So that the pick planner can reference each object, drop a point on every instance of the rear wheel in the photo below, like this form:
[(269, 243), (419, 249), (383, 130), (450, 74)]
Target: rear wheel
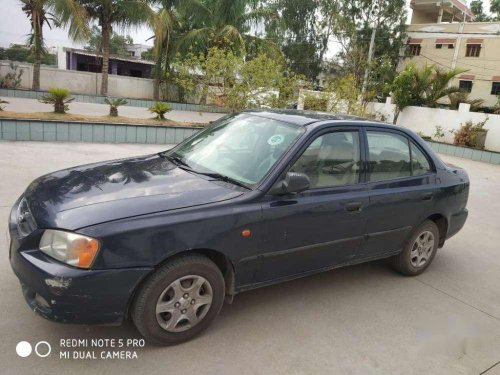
[(179, 300), (419, 251)]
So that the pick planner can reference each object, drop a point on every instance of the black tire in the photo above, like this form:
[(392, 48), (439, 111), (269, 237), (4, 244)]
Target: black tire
[(403, 261), (144, 307)]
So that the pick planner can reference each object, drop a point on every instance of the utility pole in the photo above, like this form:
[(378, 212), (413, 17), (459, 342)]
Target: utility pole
[(369, 60)]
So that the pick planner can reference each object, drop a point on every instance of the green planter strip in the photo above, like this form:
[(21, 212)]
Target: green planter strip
[(27, 94), (56, 131), (466, 152)]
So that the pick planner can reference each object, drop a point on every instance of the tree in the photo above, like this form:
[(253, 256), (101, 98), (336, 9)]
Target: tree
[(223, 24), (163, 23), (51, 12), (117, 43), (354, 29), (495, 9), (21, 53), (229, 80), (477, 8), (110, 13), (422, 87), (302, 29), (207, 75)]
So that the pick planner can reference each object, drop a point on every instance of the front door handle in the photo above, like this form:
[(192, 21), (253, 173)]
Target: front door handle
[(353, 207), (427, 196)]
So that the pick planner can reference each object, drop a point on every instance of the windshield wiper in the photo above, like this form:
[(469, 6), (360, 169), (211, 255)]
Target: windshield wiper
[(176, 159), (182, 164), (221, 177)]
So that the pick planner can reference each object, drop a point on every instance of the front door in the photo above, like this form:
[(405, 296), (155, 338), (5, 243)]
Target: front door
[(323, 226)]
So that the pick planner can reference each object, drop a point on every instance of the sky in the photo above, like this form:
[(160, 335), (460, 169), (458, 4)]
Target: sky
[(14, 27)]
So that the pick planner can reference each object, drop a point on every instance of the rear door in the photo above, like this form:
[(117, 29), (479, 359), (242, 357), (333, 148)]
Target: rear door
[(401, 184)]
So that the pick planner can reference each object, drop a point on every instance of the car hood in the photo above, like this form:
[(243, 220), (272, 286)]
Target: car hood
[(90, 194)]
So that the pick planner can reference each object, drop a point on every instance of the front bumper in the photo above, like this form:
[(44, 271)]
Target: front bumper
[(66, 294)]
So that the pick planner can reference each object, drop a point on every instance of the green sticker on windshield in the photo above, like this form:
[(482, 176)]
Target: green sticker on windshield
[(275, 140)]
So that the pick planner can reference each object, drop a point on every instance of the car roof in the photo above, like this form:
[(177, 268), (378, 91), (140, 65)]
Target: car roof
[(302, 118)]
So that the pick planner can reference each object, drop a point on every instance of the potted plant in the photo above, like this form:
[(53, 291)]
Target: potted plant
[(471, 135)]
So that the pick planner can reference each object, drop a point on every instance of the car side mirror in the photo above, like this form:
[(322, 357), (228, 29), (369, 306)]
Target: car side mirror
[(293, 183)]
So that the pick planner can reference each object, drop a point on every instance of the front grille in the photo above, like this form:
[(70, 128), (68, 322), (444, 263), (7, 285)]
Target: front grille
[(25, 221)]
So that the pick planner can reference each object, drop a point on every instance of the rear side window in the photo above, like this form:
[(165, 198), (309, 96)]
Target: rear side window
[(389, 156), (394, 156), (420, 163)]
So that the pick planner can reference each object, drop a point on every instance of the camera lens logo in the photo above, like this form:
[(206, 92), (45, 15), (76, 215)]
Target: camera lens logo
[(42, 349), (23, 349)]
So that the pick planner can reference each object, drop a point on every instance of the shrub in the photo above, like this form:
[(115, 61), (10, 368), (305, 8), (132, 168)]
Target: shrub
[(3, 102), (438, 132), (159, 109), (11, 80), (468, 133), (114, 104), (313, 103), (59, 98)]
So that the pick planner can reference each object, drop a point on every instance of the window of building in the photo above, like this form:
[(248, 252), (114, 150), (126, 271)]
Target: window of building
[(473, 50), (333, 159), (451, 46), (439, 46), (465, 85), (389, 156), (414, 49), (495, 88)]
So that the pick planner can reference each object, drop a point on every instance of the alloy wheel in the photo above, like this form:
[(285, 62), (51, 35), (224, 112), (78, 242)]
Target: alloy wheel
[(422, 249)]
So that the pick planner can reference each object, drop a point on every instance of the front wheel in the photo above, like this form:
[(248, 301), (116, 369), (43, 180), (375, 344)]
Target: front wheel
[(179, 300), (419, 251)]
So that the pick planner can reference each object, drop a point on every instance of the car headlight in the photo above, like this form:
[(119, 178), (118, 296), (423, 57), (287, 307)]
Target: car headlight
[(71, 248)]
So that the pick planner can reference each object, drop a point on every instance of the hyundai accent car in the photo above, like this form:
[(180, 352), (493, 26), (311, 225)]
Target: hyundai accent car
[(254, 199)]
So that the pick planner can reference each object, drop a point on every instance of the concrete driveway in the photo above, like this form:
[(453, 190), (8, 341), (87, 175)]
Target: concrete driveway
[(364, 319)]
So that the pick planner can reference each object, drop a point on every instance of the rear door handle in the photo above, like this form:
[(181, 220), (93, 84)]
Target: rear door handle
[(427, 196), (354, 207)]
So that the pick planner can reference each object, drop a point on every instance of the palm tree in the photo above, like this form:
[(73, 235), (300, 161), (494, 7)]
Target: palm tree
[(440, 85), (51, 12), (163, 23), (222, 23), (110, 13), (422, 87)]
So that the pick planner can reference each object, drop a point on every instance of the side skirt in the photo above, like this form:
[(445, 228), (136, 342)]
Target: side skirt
[(246, 287)]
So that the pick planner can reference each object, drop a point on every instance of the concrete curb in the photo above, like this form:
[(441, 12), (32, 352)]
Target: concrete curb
[(53, 131)]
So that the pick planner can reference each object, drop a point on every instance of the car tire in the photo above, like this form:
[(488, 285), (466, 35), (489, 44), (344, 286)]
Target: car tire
[(419, 251), (179, 300)]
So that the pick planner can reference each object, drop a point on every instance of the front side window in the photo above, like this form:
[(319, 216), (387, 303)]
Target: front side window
[(332, 159), (242, 147), (389, 156)]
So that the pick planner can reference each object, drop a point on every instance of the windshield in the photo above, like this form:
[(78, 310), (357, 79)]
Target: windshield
[(241, 147)]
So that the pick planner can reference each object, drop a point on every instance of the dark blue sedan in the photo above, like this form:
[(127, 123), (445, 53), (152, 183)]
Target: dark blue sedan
[(256, 198)]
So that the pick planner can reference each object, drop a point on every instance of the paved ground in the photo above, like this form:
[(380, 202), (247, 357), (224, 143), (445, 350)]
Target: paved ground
[(33, 105), (364, 319)]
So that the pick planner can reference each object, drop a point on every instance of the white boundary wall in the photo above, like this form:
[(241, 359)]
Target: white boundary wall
[(425, 120), (85, 83)]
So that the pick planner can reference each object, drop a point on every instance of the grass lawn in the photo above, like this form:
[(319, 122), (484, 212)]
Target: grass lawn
[(84, 118)]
